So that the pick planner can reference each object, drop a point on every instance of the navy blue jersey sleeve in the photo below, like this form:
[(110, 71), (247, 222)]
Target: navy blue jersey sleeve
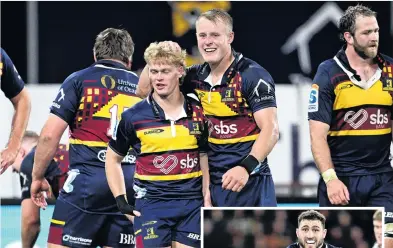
[(11, 82), (187, 85), (26, 170), (67, 100), (124, 135), (321, 99), (258, 88)]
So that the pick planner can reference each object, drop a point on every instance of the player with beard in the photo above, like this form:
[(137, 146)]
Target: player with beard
[(311, 231), (350, 112)]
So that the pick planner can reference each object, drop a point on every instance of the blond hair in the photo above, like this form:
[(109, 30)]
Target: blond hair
[(161, 52), (215, 15)]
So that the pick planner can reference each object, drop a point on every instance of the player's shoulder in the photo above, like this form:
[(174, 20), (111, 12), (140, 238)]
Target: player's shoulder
[(142, 106), (252, 70), (328, 71), (388, 59), (5, 58), (331, 246), (195, 68), (294, 245), (196, 71), (77, 75), (328, 66), (3, 53)]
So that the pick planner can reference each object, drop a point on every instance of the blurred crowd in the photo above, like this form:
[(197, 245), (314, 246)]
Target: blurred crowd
[(277, 228)]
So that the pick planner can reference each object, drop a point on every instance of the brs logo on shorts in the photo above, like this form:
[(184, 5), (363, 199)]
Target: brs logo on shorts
[(313, 100)]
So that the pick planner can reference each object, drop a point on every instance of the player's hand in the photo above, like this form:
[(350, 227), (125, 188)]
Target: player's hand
[(39, 191), (7, 158), (130, 218), (235, 179), (207, 201), (337, 192), (126, 208)]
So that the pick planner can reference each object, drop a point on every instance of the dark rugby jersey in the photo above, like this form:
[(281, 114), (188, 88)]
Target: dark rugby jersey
[(245, 88), (167, 165), (56, 174), (91, 101), (325, 245), (360, 119), (11, 83)]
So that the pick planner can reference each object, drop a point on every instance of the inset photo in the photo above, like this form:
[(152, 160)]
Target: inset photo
[(292, 228)]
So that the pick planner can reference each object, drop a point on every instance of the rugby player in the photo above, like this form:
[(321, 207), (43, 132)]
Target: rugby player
[(350, 111), (169, 133), (90, 102)]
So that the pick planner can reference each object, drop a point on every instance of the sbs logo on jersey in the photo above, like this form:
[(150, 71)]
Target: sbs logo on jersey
[(188, 163), (357, 119), (313, 99), (379, 118), (166, 165), (225, 129)]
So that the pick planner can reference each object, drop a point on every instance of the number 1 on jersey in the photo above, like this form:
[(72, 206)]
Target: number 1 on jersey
[(115, 118)]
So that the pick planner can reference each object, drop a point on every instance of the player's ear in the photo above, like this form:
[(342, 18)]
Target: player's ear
[(297, 232), (324, 233), (348, 38), (231, 37), (22, 152), (180, 71)]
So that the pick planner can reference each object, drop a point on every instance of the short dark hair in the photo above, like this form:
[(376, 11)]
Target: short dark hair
[(348, 20), (114, 43), (214, 15), (311, 215)]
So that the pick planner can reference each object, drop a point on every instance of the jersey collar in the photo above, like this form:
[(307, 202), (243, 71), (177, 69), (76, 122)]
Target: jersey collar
[(111, 63), (159, 112), (229, 73), (343, 60)]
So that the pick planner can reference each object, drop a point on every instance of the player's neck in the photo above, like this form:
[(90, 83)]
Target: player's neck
[(217, 70), (171, 104), (355, 60), (121, 62)]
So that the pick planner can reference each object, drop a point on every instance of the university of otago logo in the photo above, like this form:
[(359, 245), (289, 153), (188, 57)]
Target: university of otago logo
[(108, 82)]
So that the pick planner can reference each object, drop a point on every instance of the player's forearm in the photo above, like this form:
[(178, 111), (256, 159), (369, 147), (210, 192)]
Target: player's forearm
[(321, 153), (46, 149), (265, 142), (144, 87), (22, 106), (114, 173), (205, 172)]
